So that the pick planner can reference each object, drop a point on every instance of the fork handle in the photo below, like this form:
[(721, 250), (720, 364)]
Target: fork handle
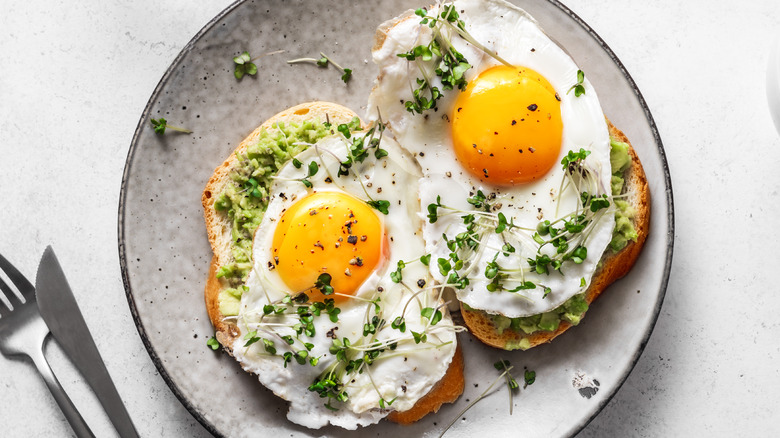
[(71, 413)]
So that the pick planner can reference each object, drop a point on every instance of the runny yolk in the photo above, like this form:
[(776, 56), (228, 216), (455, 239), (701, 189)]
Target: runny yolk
[(507, 126), (327, 232)]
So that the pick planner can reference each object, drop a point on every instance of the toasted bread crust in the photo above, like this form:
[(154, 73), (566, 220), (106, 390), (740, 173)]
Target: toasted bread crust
[(613, 265), (226, 331), (447, 390)]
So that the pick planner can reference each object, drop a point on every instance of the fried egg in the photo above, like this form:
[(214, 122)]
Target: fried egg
[(492, 152), (321, 312)]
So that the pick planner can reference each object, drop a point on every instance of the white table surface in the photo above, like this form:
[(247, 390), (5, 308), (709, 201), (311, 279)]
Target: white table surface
[(75, 77)]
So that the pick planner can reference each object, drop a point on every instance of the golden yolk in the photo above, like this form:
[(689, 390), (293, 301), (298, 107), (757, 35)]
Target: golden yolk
[(507, 126), (327, 232)]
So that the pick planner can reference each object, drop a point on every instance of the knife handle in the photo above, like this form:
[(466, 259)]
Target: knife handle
[(71, 413)]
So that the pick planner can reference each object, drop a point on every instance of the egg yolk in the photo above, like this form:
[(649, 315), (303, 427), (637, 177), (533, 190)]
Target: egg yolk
[(327, 233), (507, 127)]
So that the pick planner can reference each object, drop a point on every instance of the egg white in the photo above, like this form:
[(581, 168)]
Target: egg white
[(517, 38), (405, 374)]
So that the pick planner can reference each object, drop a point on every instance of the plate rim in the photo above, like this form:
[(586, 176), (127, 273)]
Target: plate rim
[(121, 218), (156, 360), (669, 204)]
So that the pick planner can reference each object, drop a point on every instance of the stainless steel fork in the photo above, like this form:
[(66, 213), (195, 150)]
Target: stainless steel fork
[(23, 332)]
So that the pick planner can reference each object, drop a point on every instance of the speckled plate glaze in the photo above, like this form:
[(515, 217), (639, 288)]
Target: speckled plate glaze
[(165, 255)]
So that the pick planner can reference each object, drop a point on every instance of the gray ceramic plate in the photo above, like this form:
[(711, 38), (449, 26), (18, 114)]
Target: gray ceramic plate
[(165, 254)]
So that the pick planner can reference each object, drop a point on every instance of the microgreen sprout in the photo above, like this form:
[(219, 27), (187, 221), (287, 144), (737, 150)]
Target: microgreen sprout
[(507, 249), (579, 88), (373, 326), (433, 210), (269, 346), (511, 383), (505, 365), (344, 130), (323, 61), (419, 337), (397, 275), (380, 205), (478, 201), (160, 125), (572, 159), (399, 324), (312, 170), (530, 377), (502, 223), (380, 153), (213, 343), (382, 402), (251, 338), (245, 65), (323, 284), (433, 314), (346, 75), (251, 185)]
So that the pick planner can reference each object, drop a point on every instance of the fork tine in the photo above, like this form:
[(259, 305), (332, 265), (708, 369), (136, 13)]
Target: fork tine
[(16, 277), (4, 290), (10, 295)]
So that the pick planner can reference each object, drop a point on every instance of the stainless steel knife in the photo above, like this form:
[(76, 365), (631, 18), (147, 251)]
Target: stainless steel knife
[(61, 313)]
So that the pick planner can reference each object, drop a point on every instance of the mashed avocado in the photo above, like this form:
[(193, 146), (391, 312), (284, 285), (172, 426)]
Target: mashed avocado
[(624, 213), (574, 309), (570, 311), (229, 300), (245, 199)]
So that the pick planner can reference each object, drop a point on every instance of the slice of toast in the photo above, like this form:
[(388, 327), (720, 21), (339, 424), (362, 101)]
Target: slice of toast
[(219, 229), (614, 265)]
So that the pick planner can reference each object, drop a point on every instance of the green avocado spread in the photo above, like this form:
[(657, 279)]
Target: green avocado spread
[(245, 199), (574, 308), (624, 213)]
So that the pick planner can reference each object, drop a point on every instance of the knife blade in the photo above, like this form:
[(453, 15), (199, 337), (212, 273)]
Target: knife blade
[(61, 313)]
